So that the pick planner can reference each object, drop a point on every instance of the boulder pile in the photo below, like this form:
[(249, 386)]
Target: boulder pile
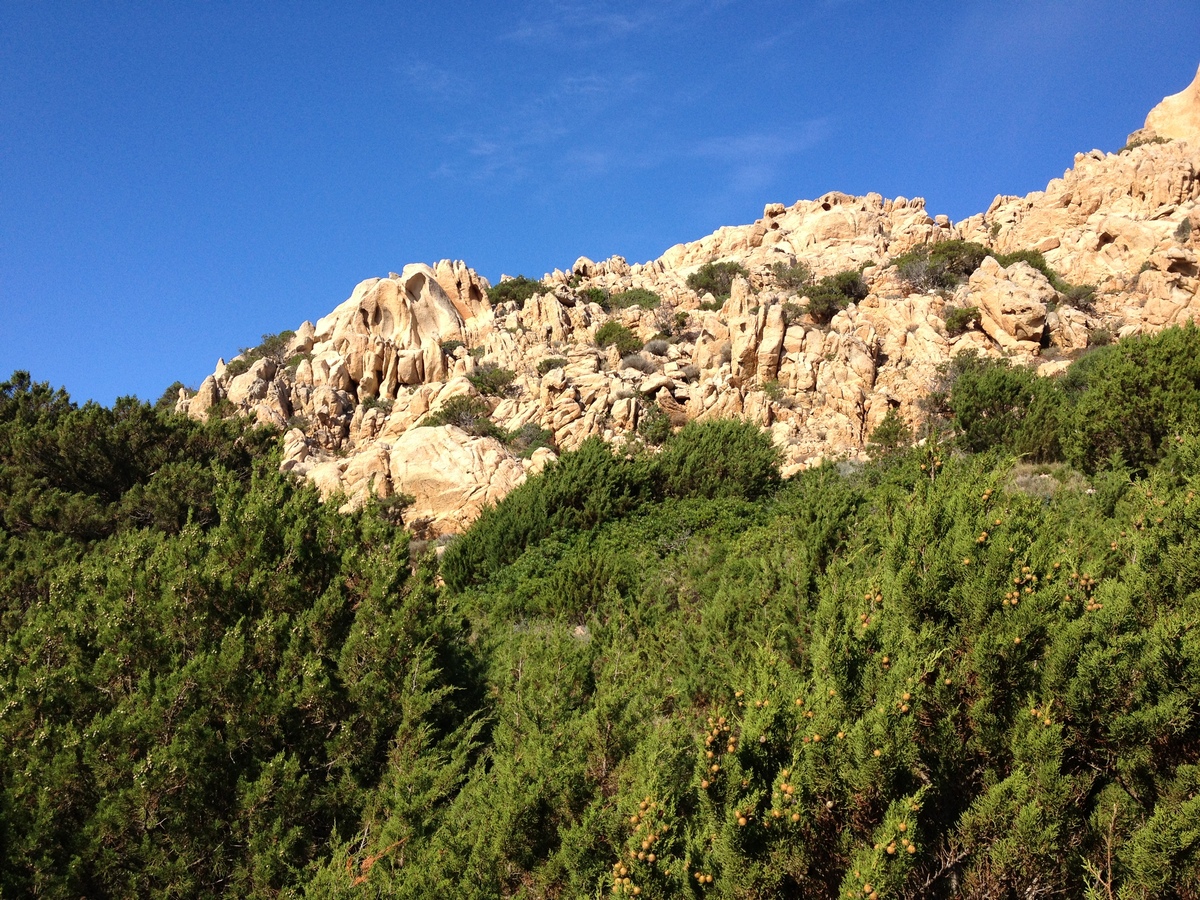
[(356, 391)]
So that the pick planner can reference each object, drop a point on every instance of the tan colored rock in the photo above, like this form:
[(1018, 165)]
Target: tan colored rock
[(368, 472), (465, 287), (252, 384), (546, 318), (303, 340), (1112, 221), (206, 397), (1178, 117), (1013, 300), (770, 344), (1069, 328), (451, 475)]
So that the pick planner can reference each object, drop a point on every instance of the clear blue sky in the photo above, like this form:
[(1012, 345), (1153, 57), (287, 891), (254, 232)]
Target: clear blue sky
[(178, 178)]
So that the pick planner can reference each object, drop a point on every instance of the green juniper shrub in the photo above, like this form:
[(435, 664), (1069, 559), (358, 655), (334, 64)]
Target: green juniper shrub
[(492, 380), (239, 365), (272, 346), (578, 491), (374, 401), (791, 313), (716, 278), (940, 265), (640, 297), (529, 438), (222, 409), (654, 426), (391, 508), (718, 459), (550, 362), (1183, 232), (593, 295), (516, 290), (1081, 296), (961, 318), (293, 362), (833, 293), (166, 402), (945, 264), (244, 666), (794, 278), (472, 414), (449, 348), (933, 675), (996, 404), (613, 333), (1143, 142), (890, 436), (1131, 397)]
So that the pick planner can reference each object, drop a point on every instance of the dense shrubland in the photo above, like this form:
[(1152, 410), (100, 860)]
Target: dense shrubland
[(951, 672)]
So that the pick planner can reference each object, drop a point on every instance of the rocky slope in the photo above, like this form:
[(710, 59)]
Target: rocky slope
[(354, 389)]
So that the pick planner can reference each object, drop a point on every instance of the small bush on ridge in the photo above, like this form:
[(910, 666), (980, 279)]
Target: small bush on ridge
[(638, 362), (633, 297), (593, 295), (795, 277), (492, 380), (517, 289), (613, 332), (716, 278), (961, 318), (834, 293)]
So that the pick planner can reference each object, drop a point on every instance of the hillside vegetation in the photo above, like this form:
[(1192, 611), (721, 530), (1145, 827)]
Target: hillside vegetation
[(970, 668)]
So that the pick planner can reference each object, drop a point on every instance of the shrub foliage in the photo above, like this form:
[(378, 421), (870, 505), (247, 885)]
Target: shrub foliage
[(716, 278), (922, 677), (833, 293), (517, 290), (613, 333)]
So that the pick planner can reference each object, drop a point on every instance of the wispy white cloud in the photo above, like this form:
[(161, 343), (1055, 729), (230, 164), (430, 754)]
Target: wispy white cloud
[(437, 82), (580, 22), (754, 159), (583, 23), (556, 129)]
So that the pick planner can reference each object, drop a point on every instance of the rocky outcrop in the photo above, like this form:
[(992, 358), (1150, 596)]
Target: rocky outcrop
[(1013, 302), (357, 388), (1178, 117)]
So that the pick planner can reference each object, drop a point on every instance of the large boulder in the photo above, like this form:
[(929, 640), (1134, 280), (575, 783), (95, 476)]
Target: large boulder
[(1012, 300), (405, 310), (451, 475), (1178, 117)]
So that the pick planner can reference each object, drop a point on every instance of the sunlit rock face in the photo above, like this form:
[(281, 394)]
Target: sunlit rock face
[(357, 389), (1178, 116)]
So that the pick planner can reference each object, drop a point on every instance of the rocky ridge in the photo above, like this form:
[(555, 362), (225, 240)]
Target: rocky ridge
[(354, 389)]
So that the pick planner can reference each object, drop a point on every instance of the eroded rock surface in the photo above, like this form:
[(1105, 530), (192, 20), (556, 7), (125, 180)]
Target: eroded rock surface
[(357, 387)]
